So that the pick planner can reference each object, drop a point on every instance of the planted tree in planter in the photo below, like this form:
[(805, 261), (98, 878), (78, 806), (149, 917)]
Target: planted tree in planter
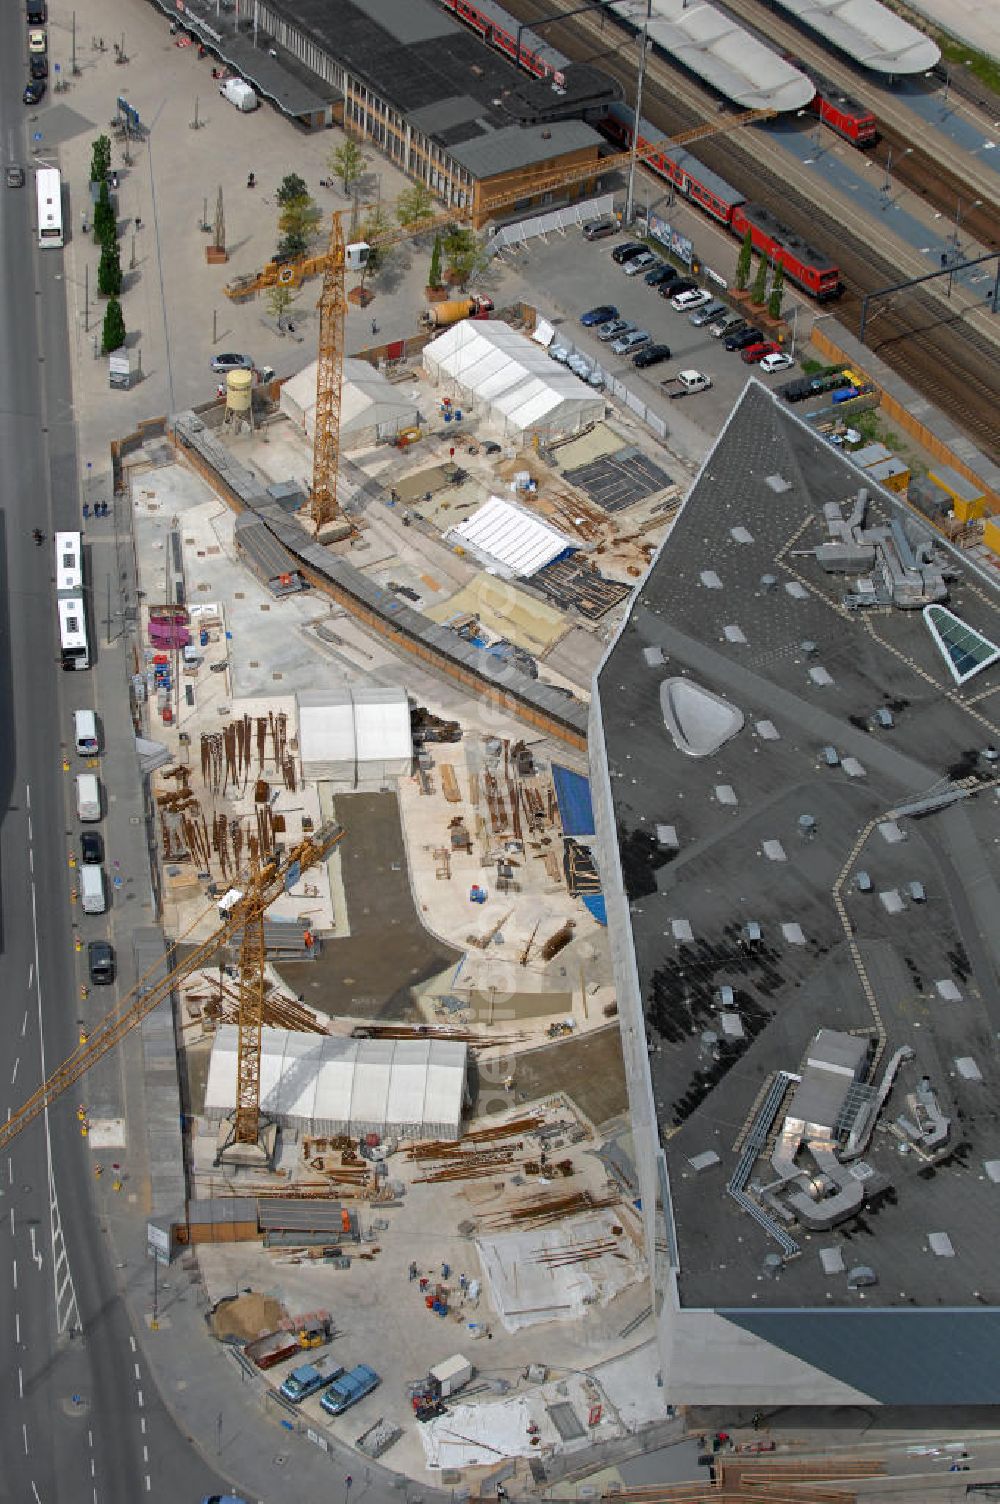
[(114, 328), (414, 205), (375, 226), (109, 270), (434, 275), (759, 294), (347, 163), (464, 254), (743, 262), (298, 217), (105, 224), (774, 301), (100, 159)]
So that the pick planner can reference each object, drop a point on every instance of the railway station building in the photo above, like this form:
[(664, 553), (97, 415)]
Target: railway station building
[(445, 108), (793, 799)]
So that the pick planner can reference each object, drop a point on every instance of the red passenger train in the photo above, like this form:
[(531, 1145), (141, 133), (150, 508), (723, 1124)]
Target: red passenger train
[(499, 30), (836, 109)]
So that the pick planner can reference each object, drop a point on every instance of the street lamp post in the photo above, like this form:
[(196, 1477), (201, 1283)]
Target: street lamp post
[(634, 154)]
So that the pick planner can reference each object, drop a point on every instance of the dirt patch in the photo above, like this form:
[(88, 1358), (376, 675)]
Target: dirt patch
[(247, 1317)]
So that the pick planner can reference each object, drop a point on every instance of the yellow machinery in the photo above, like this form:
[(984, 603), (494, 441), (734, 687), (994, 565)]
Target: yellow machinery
[(263, 885)]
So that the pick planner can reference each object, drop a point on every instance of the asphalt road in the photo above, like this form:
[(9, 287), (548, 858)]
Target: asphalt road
[(79, 1418)]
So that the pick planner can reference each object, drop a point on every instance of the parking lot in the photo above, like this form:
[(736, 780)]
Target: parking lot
[(580, 275)]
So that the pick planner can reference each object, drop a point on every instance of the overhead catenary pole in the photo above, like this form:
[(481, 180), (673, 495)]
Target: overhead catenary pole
[(633, 155)]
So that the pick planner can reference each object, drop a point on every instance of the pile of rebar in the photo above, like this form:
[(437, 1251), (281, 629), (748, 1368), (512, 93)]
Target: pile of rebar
[(544, 1209), (577, 1253)]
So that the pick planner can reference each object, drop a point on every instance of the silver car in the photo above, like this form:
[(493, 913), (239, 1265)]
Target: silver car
[(631, 342), (641, 263), (614, 330), (708, 314)]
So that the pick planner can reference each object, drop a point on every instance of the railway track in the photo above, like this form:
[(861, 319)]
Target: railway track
[(923, 336)]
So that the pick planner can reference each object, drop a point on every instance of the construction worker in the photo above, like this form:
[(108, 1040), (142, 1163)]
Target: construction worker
[(98, 1171)]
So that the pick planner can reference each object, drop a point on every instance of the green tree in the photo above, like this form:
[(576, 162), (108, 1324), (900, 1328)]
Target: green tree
[(759, 294), (414, 205), (279, 300), (375, 226), (109, 270), (292, 189), (105, 224), (113, 336), (774, 301), (464, 253), (100, 159), (744, 261), (347, 163), (434, 275), (298, 222)]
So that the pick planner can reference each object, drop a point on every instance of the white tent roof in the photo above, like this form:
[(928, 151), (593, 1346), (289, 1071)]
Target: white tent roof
[(355, 1085), (505, 372), (355, 728), (326, 726), (509, 540), (382, 724), (366, 398)]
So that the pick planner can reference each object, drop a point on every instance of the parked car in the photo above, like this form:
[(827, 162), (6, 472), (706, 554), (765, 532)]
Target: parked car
[(708, 313), (674, 289), (15, 176), (560, 353), (725, 327), (101, 963), (614, 330), (744, 337), (655, 275), (596, 229), (33, 90), (652, 355), (37, 41), (641, 263), (753, 353), (632, 341), (349, 1389), (689, 382), (231, 362), (91, 846), (623, 253), (683, 302), (777, 361), (38, 65), (602, 314)]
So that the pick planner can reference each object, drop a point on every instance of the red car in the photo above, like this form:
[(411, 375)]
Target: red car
[(753, 353)]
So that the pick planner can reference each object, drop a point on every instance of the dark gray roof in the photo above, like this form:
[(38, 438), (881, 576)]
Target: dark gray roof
[(522, 146), (754, 511)]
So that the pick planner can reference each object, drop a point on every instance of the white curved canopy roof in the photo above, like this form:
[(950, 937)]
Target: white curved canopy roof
[(732, 60), (874, 36)]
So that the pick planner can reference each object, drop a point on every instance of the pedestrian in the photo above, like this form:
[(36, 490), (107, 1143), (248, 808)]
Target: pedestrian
[(220, 390), (86, 510), (445, 1270), (98, 1171), (413, 1269), (138, 221), (374, 326), (251, 180), (451, 452), (463, 1283)]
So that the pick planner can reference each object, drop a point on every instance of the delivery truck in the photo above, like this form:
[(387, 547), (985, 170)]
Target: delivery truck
[(448, 1377), (349, 1389), (239, 93)]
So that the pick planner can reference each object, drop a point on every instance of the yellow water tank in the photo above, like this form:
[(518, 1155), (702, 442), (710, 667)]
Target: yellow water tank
[(239, 391)]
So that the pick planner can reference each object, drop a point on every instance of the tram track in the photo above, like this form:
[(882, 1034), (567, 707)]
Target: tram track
[(922, 335)]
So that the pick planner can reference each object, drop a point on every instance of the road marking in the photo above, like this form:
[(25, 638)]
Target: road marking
[(31, 975), (17, 1326), (15, 1274), (93, 1468), (24, 1021), (137, 1373), (20, 1383), (24, 1433), (149, 1485), (142, 1424), (34, 1490), (12, 1220), (13, 1076), (145, 1454), (34, 1251), (31, 857), (131, 1342), (10, 1163), (139, 1395)]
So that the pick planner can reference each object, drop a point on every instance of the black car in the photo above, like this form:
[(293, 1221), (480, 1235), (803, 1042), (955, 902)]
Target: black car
[(33, 90), (651, 356), (745, 337), (38, 65), (91, 847), (673, 289), (623, 253), (659, 274), (101, 962)]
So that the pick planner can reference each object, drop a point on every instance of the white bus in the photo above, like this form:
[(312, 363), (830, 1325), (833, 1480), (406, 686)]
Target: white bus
[(48, 186), (73, 632), (69, 563)]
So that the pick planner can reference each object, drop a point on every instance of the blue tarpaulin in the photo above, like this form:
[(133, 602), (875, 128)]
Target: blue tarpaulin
[(573, 796), (595, 903)]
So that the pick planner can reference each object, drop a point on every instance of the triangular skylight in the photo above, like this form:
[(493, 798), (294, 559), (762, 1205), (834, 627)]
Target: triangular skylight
[(964, 650)]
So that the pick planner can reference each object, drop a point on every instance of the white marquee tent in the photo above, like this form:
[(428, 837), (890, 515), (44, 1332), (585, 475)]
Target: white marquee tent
[(507, 379), (508, 540), (370, 406), (413, 1088), (355, 735)]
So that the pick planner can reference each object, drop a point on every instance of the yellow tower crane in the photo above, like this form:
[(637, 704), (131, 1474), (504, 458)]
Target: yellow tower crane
[(333, 299), (265, 881)]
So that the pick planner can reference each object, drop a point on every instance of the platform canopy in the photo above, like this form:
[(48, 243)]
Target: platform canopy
[(411, 1088), (506, 379), (870, 33)]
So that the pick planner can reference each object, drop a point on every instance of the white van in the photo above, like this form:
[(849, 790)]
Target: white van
[(88, 797), (92, 889), (85, 733), (240, 94)]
